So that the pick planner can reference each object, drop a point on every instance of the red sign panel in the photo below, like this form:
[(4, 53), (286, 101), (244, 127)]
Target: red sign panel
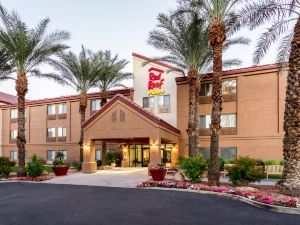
[(155, 81)]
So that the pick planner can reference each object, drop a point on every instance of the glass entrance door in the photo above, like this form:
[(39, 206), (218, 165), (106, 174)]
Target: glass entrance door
[(139, 155)]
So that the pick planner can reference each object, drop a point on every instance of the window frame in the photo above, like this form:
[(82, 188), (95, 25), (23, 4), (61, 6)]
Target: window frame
[(65, 152), (62, 108), (48, 151), (53, 107), (223, 87), (149, 105), (63, 131), (15, 155), (53, 129), (11, 113), (15, 134), (95, 101), (164, 97)]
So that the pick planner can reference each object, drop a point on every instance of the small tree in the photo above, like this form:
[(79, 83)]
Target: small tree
[(193, 168)]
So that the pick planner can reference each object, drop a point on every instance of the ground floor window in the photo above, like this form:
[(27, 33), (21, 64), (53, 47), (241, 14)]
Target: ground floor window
[(65, 152), (166, 153), (139, 155), (50, 154), (98, 155), (13, 155), (226, 153)]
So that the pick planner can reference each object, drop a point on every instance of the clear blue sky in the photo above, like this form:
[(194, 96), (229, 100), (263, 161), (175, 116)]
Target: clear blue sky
[(119, 25)]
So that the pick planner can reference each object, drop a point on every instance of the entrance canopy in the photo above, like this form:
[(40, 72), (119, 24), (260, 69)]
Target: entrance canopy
[(122, 119)]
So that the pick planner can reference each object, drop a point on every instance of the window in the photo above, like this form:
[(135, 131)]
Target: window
[(61, 132), (13, 134), (13, 155), (62, 108), (98, 155), (205, 121), (148, 102), (166, 153), (204, 153), (51, 110), (228, 153), (51, 132), (96, 104), (122, 116), (13, 113), (206, 89), (65, 154), (51, 155), (228, 120), (164, 100), (229, 87)]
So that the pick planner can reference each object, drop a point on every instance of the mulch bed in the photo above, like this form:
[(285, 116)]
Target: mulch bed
[(260, 193)]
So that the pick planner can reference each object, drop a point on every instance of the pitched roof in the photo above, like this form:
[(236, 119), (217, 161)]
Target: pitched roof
[(75, 97), (134, 106), (145, 58), (7, 98), (239, 71)]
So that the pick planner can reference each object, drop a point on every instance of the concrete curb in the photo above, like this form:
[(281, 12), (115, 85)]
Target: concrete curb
[(273, 208)]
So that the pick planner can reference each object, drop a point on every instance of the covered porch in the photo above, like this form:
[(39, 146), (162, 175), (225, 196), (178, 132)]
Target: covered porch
[(144, 139)]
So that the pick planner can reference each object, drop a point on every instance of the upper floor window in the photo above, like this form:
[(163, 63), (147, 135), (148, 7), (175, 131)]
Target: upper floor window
[(13, 113), (62, 108), (229, 87), (96, 104), (148, 102), (206, 89), (51, 132), (227, 120), (13, 134), (163, 100), (51, 110), (62, 132)]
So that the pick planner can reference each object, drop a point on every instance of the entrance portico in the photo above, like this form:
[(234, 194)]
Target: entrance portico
[(143, 137)]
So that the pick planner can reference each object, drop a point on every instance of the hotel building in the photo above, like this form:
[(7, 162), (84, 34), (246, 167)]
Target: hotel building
[(148, 122)]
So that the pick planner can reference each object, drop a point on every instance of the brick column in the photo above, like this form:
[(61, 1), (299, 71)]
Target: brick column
[(155, 153), (89, 164)]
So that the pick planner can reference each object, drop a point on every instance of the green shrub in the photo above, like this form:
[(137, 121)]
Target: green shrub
[(111, 157), (245, 171), (281, 162), (99, 163), (35, 166), (75, 164), (271, 162), (6, 166), (193, 168), (275, 176), (59, 159)]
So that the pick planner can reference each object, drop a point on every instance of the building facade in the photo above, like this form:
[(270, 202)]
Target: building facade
[(148, 123)]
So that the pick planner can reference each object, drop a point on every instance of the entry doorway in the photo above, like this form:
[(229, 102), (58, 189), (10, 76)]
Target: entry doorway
[(139, 155)]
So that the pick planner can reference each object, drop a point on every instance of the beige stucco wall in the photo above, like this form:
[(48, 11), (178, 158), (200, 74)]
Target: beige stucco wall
[(0, 132), (140, 83), (259, 108)]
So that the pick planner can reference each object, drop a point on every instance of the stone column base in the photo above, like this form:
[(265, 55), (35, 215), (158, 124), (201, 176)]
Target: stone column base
[(89, 167)]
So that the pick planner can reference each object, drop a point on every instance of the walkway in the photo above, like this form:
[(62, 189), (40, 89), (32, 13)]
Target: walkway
[(37, 204), (117, 177)]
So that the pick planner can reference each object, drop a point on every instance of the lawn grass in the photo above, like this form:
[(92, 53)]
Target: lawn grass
[(275, 176), (47, 168)]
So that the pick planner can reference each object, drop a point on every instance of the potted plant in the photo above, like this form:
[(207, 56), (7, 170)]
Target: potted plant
[(158, 174), (59, 168)]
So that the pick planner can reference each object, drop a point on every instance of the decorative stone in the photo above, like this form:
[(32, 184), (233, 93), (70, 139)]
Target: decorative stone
[(246, 189), (45, 173), (178, 176)]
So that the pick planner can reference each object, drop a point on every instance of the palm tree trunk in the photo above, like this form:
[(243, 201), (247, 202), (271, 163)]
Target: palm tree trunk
[(21, 88), (192, 125), (82, 109), (216, 39), (291, 146), (103, 97)]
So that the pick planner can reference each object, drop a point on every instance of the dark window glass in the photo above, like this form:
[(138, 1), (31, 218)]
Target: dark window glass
[(228, 153), (204, 153)]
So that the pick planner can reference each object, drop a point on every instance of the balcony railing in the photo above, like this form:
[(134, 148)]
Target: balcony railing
[(226, 98)]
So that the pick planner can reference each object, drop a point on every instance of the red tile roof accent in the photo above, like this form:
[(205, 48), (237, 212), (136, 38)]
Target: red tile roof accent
[(7, 98), (74, 97), (134, 106), (158, 63), (238, 71)]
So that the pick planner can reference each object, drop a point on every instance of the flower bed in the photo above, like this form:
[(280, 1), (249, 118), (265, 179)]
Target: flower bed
[(266, 195)]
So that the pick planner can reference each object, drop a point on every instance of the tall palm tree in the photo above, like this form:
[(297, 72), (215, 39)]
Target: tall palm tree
[(80, 73), (220, 16), (185, 37), (6, 69), (110, 76), (27, 50), (285, 29)]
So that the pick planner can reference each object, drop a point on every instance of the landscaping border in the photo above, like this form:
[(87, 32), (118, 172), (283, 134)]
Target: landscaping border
[(273, 208)]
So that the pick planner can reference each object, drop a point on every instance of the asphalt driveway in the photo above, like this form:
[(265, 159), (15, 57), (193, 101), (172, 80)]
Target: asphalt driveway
[(47, 204)]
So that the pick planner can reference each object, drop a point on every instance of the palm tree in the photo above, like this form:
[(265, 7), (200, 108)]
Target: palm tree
[(27, 49), (185, 37), (110, 76), (285, 29), (80, 73), (220, 17)]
